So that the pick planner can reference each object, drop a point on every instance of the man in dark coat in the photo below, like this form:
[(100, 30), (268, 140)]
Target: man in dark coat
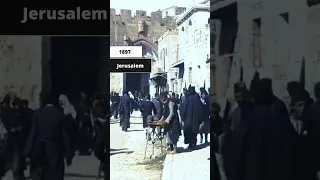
[(205, 116), (312, 125), (48, 143), (146, 108), (115, 98), (170, 116), (184, 95), (157, 105), (262, 147), (191, 117), (125, 108)]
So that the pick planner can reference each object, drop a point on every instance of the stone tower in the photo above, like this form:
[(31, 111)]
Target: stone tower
[(126, 29)]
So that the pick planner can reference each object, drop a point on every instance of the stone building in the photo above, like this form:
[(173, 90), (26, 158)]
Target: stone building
[(279, 40), (173, 11), (30, 65), (138, 30), (167, 55), (194, 47)]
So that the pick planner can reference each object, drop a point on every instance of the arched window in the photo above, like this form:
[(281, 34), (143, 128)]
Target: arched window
[(182, 29), (190, 23)]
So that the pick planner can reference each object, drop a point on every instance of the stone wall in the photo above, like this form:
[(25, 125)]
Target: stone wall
[(20, 67), (288, 34), (124, 27)]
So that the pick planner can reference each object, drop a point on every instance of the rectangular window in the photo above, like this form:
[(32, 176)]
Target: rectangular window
[(190, 74)]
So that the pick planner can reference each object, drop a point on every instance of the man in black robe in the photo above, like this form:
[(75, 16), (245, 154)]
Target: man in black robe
[(6, 115), (16, 140), (115, 98), (191, 116), (146, 108), (48, 143), (312, 124), (304, 153), (262, 147), (125, 107)]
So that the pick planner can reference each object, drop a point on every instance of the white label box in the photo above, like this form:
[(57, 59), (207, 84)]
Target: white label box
[(125, 51)]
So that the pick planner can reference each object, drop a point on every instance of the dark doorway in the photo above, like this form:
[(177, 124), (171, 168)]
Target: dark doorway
[(74, 62), (133, 82)]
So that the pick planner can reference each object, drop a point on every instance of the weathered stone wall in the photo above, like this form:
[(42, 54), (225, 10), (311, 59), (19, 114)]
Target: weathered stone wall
[(20, 67), (289, 33), (124, 26)]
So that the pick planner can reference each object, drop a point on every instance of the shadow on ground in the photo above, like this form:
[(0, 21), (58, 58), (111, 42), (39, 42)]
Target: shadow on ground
[(134, 130), (198, 147), (79, 175), (120, 151)]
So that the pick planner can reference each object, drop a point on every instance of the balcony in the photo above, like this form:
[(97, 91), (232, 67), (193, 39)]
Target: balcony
[(219, 4)]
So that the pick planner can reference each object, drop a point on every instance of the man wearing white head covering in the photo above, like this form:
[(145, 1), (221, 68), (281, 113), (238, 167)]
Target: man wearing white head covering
[(70, 116), (67, 107)]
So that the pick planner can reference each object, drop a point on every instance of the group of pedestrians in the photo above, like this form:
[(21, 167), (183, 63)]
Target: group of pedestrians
[(190, 112), (50, 136), (262, 137)]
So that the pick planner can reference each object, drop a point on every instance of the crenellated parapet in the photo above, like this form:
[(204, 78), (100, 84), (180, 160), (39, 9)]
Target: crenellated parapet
[(127, 17)]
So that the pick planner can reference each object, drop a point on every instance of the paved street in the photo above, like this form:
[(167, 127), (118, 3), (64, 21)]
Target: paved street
[(127, 152), (83, 168), (187, 165)]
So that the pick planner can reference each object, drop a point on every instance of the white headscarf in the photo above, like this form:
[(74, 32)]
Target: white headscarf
[(130, 95), (67, 107)]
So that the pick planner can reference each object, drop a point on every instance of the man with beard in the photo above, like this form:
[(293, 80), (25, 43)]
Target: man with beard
[(191, 115), (184, 95), (48, 142), (170, 116), (262, 146), (125, 108), (241, 96)]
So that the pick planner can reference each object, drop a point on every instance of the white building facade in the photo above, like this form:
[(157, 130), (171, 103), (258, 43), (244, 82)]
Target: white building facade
[(194, 46), (279, 40), (167, 55)]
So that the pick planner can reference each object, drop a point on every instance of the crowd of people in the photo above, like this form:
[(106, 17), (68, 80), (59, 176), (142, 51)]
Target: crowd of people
[(51, 136), (189, 112), (262, 137)]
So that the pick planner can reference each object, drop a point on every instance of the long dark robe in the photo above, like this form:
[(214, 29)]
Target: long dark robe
[(125, 108), (191, 117), (205, 118), (312, 125), (48, 144), (261, 148), (85, 137)]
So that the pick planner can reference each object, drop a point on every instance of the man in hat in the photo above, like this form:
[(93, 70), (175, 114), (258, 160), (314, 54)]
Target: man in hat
[(191, 116)]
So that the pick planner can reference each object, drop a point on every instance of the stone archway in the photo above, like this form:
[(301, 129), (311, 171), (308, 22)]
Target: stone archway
[(148, 47)]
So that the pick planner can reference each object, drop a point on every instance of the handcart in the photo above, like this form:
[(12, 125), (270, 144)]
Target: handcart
[(154, 133)]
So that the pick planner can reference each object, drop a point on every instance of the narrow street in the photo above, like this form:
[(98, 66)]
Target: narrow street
[(127, 152), (126, 157)]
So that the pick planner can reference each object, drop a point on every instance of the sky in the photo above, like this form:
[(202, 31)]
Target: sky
[(149, 5)]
